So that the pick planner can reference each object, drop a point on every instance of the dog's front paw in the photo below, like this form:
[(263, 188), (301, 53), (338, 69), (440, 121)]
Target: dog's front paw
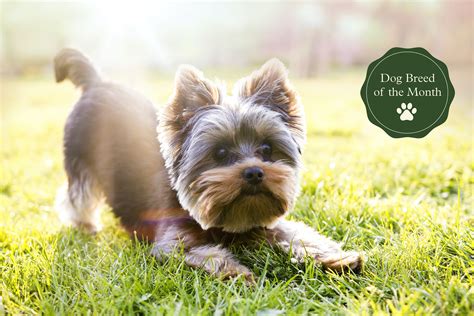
[(235, 271), (218, 261), (342, 261), (89, 228)]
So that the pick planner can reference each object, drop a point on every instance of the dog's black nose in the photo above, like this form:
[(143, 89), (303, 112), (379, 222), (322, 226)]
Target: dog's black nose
[(253, 175)]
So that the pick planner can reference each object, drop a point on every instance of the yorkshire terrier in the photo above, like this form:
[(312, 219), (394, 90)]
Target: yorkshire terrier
[(214, 170)]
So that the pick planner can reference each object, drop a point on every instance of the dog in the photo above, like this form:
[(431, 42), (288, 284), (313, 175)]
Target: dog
[(211, 171)]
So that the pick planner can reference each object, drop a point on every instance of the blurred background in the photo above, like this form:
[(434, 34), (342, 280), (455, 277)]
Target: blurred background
[(327, 46), (312, 38)]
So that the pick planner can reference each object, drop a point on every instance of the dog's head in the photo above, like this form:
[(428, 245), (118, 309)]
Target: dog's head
[(234, 160)]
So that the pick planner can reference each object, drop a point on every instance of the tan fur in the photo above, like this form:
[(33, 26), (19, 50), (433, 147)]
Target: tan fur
[(178, 201), (192, 91), (217, 261), (303, 241), (222, 203), (202, 249), (270, 86)]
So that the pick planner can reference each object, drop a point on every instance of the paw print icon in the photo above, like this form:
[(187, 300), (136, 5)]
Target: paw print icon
[(406, 112)]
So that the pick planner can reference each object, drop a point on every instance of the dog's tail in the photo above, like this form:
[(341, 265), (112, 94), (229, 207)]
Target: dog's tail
[(73, 65)]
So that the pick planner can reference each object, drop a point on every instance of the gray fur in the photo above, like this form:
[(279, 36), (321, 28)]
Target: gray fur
[(110, 138), (112, 152)]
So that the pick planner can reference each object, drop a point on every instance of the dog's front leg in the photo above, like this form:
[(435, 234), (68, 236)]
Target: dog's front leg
[(302, 241), (200, 251)]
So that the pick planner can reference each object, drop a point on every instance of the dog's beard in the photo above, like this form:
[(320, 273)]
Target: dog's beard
[(222, 198)]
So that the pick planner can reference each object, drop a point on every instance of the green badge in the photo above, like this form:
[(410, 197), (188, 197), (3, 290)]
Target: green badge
[(407, 92)]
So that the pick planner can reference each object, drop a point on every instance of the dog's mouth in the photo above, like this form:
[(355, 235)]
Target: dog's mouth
[(256, 193), (252, 190), (222, 198), (255, 206)]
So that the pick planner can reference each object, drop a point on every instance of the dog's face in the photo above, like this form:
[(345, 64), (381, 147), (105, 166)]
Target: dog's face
[(234, 160)]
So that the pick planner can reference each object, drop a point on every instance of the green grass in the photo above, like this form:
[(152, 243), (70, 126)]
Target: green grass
[(407, 203)]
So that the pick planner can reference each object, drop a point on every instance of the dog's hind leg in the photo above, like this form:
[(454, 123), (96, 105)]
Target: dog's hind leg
[(78, 202)]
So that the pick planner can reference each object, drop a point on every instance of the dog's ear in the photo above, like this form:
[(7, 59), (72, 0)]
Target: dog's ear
[(269, 86), (191, 92)]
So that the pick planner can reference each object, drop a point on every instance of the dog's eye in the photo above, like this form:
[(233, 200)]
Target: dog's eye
[(266, 151), (221, 153)]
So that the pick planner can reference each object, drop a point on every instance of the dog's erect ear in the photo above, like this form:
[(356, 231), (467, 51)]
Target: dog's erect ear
[(269, 86), (191, 92)]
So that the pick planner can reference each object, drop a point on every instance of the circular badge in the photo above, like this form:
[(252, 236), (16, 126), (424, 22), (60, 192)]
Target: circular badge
[(407, 92)]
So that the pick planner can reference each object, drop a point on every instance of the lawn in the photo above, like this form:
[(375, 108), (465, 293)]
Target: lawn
[(407, 203)]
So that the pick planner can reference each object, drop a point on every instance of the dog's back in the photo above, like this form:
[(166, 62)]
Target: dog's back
[(111, 149)]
